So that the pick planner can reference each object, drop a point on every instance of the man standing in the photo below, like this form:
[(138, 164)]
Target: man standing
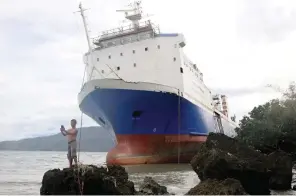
[(72, 144)]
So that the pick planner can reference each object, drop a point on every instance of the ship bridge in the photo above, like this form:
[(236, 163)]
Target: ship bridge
[(126, 34), (135, 32)]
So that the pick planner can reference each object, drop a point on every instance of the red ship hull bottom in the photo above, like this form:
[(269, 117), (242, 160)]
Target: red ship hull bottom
[(154, 149)]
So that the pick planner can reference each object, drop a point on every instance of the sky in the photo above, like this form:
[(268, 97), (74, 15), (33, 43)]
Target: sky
[(239, 45)]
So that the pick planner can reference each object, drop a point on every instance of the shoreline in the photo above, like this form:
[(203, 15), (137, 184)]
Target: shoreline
[(215, 164)]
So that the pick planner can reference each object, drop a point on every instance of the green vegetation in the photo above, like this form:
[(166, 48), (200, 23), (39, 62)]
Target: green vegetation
[(272, 126)]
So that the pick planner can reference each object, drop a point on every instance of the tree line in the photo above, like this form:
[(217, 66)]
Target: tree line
[(272, 125)]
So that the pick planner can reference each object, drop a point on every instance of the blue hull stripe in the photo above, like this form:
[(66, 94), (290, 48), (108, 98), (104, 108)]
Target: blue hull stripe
[(147, 112)]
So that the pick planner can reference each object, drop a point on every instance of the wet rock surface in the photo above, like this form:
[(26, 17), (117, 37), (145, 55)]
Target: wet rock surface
[(150, 187), (280, 164), (86, 179), (222, 157), (93, 180), (228, 186)]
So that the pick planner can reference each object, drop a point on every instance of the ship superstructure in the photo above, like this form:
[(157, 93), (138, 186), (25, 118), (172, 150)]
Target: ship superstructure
[(149, 94)]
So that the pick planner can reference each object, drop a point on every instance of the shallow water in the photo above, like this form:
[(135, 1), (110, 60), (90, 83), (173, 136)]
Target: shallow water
[(22, 172)]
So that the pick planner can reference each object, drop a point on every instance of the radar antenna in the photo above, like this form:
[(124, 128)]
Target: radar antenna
[(136, 15)]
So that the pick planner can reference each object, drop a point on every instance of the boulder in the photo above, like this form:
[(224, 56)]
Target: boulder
[(150, 187), (280, 164), (213, 163), (87, 180), (228, 186), (222, 157), (90, 180), (287, 143)]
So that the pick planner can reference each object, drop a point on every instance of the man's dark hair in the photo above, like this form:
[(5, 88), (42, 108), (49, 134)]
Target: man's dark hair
[(73, 120)]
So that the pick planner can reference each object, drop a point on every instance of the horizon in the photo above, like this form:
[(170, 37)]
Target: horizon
[(49, 134)]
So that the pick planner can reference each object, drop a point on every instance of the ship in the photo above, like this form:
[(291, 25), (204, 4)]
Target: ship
[(143, 89)]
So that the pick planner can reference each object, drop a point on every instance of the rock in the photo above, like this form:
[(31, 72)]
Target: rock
[(287, 143), (280, 164), (90, 180), (222, 157), (124, 185), (228, 186), (150, 187), (87, 180)]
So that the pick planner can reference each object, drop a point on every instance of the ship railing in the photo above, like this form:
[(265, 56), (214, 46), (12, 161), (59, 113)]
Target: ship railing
[(125, 30)]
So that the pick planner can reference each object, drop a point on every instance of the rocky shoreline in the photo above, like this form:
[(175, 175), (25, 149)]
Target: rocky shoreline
[(93, 180), (224, 166), (221, 158)]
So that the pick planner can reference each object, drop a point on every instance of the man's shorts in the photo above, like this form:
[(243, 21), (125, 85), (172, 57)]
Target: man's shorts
[(72, 149)]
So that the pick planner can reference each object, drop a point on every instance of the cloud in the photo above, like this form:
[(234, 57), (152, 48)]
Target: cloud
[(42, 69), (269, 21), (240, 46)]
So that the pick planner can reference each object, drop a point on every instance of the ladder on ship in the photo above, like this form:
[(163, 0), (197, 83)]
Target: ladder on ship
[(218, 123)]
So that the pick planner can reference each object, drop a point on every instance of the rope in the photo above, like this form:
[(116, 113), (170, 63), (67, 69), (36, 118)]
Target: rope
[(79, 139), (179, 125), (81, 121), (81, 116)]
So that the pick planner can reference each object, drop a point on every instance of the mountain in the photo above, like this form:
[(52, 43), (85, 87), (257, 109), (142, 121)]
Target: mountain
[(93, 139)]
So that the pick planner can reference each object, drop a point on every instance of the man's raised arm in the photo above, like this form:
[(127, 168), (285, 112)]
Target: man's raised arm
[(63, 131)]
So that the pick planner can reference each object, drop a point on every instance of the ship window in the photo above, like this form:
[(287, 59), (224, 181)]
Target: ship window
[(134, 51), (109, 56), (121, 54), (98, 59), (158, 46), (102, 71), (118, 68), (174, 58), (146, 49), (181, 69), (135, 64)]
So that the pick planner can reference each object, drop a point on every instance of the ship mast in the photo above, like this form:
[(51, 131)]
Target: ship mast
[(85, 26)]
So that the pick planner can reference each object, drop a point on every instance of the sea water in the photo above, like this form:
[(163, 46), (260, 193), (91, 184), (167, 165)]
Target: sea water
[(21, 172)]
